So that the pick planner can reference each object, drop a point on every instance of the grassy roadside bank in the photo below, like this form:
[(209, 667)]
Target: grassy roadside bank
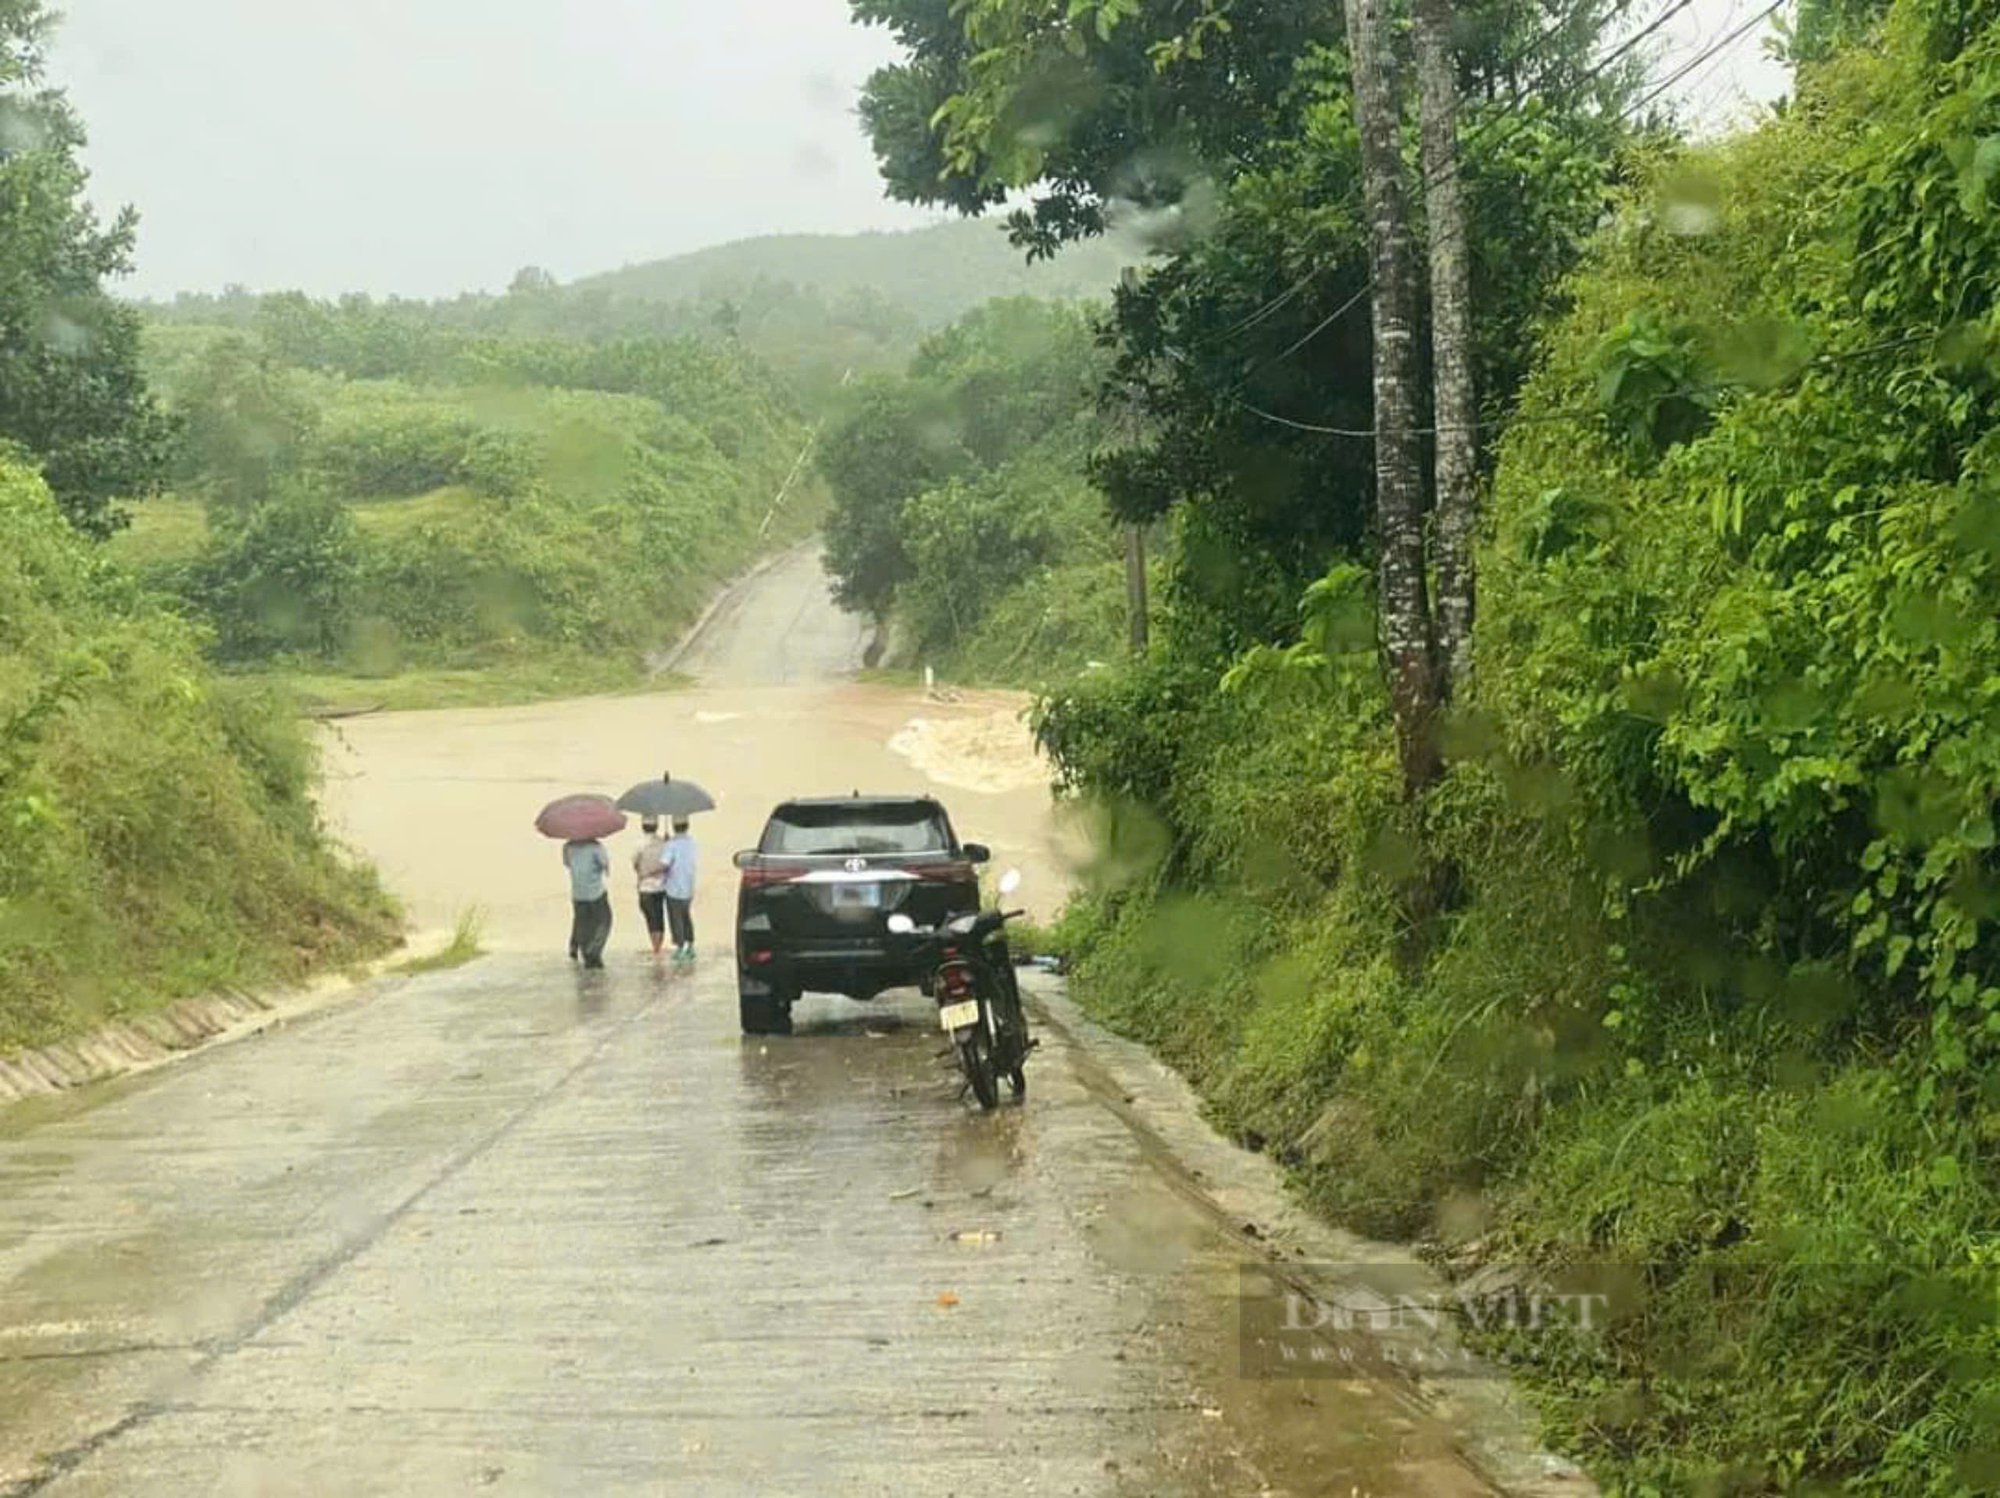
[(158, 834)]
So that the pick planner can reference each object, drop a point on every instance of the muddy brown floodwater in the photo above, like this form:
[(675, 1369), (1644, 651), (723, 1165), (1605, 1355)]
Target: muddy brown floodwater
[(519, 1229)]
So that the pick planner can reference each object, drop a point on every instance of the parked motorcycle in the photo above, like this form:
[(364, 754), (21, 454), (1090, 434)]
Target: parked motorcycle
[(978, 998)]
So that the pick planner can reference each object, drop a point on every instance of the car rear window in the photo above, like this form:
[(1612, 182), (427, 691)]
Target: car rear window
[(803, 831)]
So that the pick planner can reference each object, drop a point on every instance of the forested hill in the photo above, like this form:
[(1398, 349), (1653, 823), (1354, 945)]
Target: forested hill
[(816, 308), (936, 275)]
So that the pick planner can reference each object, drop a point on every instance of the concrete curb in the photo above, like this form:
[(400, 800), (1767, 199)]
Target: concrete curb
[(158, 1037)]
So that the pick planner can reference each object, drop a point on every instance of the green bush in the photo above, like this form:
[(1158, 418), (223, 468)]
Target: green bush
[(396, 446), (1056, 623), (158, 835), (1703, 983), (959, 502), (282, 579), (973, 542)]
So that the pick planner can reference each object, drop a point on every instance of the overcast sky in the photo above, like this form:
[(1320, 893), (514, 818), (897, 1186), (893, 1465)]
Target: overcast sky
[(434, 146)]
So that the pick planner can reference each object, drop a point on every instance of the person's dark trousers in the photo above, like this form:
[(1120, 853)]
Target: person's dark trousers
[(653, 910), (680, 916), (590, 929)]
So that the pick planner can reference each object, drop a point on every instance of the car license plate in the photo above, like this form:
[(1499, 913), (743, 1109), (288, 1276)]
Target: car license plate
[(857, 896), (958, 1016)]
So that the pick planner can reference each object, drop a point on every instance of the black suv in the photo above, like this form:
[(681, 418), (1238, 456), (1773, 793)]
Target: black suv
[(819, 888)]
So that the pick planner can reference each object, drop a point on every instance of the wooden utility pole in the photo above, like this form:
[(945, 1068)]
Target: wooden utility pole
[(1454, 399), (1407, 643), (1135, 588), (1137, 614)]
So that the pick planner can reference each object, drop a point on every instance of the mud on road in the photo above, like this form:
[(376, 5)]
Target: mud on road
[(517, 1228)]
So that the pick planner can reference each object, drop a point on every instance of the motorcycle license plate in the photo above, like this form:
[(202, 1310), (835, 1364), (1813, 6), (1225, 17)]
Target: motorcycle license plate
[(958, 1016)]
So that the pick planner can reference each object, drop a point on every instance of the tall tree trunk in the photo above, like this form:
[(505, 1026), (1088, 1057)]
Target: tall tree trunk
[(1457, 475), (1399, 487)]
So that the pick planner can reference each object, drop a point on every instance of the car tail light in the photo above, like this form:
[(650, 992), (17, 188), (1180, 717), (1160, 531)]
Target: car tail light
[(757, 876), (760, 959)]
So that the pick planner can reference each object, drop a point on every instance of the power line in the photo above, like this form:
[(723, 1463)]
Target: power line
[(1460, 148), (1591, 74), (1518, 94), (1627, 113), (1722, 46), (1557, 417)]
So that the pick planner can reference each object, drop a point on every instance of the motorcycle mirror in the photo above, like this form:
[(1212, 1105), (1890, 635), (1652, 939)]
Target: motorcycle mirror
[(901, 924), (1010, 881)]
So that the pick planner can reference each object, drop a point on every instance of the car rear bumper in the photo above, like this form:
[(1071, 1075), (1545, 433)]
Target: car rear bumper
[(858, 970)]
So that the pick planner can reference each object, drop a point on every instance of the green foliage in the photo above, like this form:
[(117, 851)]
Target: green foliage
[(483, 503), (158, 835), (466, 945), (71, 393), (1772, 648), (1652, 386), (281, 579), (1262, 321), (1704, 992), (245, 423), (891, 287), (1133, 102), (819, 309), (895, 443), (1054, 624), (957, 490), (972, 542)]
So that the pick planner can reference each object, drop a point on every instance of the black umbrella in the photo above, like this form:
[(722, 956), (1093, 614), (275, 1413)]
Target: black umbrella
[(666, 797)]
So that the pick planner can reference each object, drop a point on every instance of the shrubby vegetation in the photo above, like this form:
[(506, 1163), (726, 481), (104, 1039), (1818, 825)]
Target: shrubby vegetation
[(960, 508), (383, 495), (158, 835), (1687, 966)]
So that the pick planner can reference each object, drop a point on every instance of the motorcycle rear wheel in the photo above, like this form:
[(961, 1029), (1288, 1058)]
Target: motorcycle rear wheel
[(975, 1058)]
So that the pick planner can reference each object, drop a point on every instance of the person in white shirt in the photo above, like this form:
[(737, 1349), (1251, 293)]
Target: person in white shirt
[(649, 863), (681, 860)]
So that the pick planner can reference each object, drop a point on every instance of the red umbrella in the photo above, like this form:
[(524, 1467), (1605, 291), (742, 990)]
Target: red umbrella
[(580, 817)]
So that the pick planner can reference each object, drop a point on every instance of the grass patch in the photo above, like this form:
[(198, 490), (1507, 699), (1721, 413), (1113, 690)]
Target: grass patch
[(168, 531), (389, 519), (163, 532), (465, 946)]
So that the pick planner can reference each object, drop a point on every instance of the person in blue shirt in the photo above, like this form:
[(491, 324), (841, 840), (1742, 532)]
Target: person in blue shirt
[(681, 861), (590, 900)]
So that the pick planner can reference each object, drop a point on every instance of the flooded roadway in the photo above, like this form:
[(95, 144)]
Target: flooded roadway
[(520, 1229)]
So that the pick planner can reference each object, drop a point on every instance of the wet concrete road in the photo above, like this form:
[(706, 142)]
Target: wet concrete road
[(518, 1229), (509, 1229), (780, 628)]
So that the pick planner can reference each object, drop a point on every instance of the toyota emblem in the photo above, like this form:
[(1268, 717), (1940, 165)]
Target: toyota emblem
[(857, 865)]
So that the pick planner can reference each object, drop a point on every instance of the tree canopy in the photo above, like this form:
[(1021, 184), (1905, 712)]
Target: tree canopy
[(72, 396)]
